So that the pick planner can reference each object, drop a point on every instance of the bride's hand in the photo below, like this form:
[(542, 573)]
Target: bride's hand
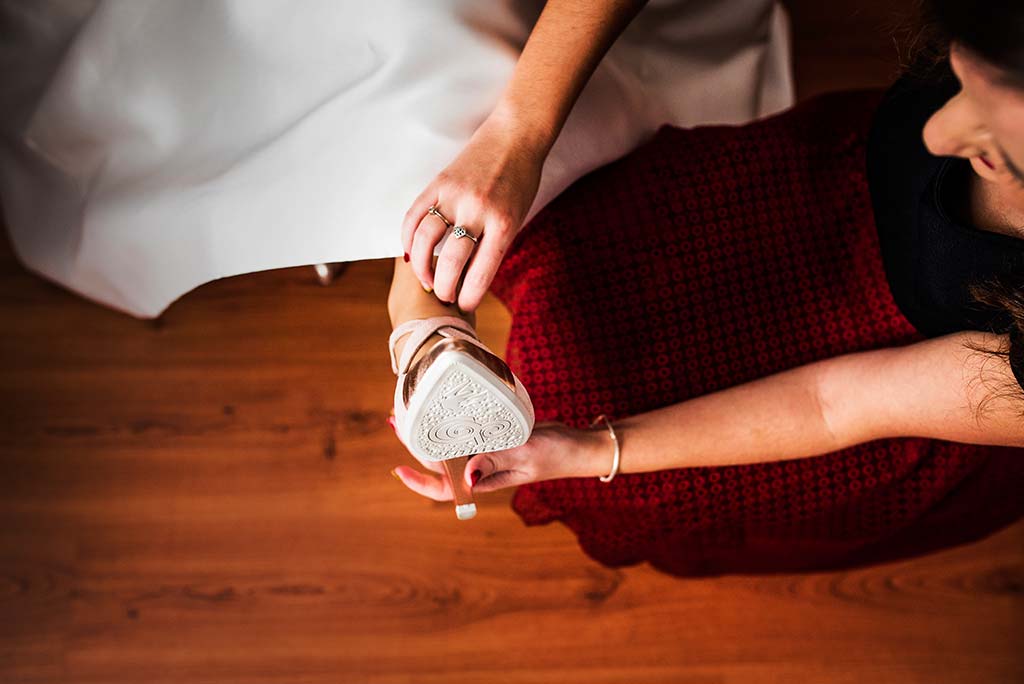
[(553, 451), (487, 189)]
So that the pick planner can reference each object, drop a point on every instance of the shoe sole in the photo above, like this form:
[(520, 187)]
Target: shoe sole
[(461, 408)]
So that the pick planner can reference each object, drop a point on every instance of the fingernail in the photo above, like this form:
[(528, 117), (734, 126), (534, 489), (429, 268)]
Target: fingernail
[(474, 477), (405, 256), (987, 163), (391, 422), (395, 475), (427, 289)]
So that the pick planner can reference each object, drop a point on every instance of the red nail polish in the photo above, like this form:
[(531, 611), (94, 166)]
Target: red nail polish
[(406, 256), (474, 477), (391, 422), (987, 163)]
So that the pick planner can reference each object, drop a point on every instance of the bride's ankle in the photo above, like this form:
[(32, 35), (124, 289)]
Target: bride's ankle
[(405, 316), (400, 346)]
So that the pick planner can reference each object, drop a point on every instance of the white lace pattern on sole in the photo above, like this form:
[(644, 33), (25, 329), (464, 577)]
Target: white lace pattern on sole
[(466, 411)]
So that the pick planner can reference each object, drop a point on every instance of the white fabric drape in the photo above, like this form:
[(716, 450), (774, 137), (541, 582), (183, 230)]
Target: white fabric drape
[(151, 146)]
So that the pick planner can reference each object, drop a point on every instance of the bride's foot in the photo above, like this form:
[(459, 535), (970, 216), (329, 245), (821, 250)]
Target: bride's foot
[(400, 345), (453, 397)]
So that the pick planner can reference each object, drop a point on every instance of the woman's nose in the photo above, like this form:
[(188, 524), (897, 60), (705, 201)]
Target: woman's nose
[(956, 130)]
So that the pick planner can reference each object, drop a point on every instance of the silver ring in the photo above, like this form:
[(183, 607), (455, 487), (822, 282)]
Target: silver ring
[(460, 232), (437, 212)]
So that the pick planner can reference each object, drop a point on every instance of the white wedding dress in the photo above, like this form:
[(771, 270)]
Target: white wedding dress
[(150, 146)]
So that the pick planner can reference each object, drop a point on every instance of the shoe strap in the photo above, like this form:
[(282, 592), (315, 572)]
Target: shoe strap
[(422, 329)]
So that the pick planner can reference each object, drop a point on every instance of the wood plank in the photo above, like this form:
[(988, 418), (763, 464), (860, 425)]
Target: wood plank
[(206, 498)]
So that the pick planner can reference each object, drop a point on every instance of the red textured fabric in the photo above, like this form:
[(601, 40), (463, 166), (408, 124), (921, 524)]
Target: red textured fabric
[(707, 258)]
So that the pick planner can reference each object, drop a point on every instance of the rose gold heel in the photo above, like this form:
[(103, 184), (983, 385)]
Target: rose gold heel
[(455, 469), (328, 273)]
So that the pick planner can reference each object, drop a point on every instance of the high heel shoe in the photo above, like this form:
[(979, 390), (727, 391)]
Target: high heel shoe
[(456, 400), (326, 274)]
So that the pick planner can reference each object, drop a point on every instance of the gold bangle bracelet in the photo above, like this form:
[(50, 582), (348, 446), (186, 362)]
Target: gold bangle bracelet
[(617, 457)]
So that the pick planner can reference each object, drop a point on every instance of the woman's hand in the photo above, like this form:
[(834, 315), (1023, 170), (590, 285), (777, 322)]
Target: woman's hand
[(491, 185), (487, 189), (553, 451)]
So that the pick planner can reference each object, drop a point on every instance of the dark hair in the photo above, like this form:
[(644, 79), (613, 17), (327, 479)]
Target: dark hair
[(991, 29), (994, 31)]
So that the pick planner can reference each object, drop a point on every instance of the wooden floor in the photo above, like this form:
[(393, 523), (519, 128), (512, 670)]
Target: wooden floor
[(206, 498)]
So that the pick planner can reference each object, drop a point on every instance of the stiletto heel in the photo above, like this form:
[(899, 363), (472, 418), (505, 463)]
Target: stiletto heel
[(457, 400), (328, 273), (455, 468)]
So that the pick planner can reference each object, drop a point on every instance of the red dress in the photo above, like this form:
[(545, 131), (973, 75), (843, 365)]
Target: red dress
[(705, 259)]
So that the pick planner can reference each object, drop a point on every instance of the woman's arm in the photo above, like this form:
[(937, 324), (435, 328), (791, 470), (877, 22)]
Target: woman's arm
[(940, 388), (565, 46), (491, 185)]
